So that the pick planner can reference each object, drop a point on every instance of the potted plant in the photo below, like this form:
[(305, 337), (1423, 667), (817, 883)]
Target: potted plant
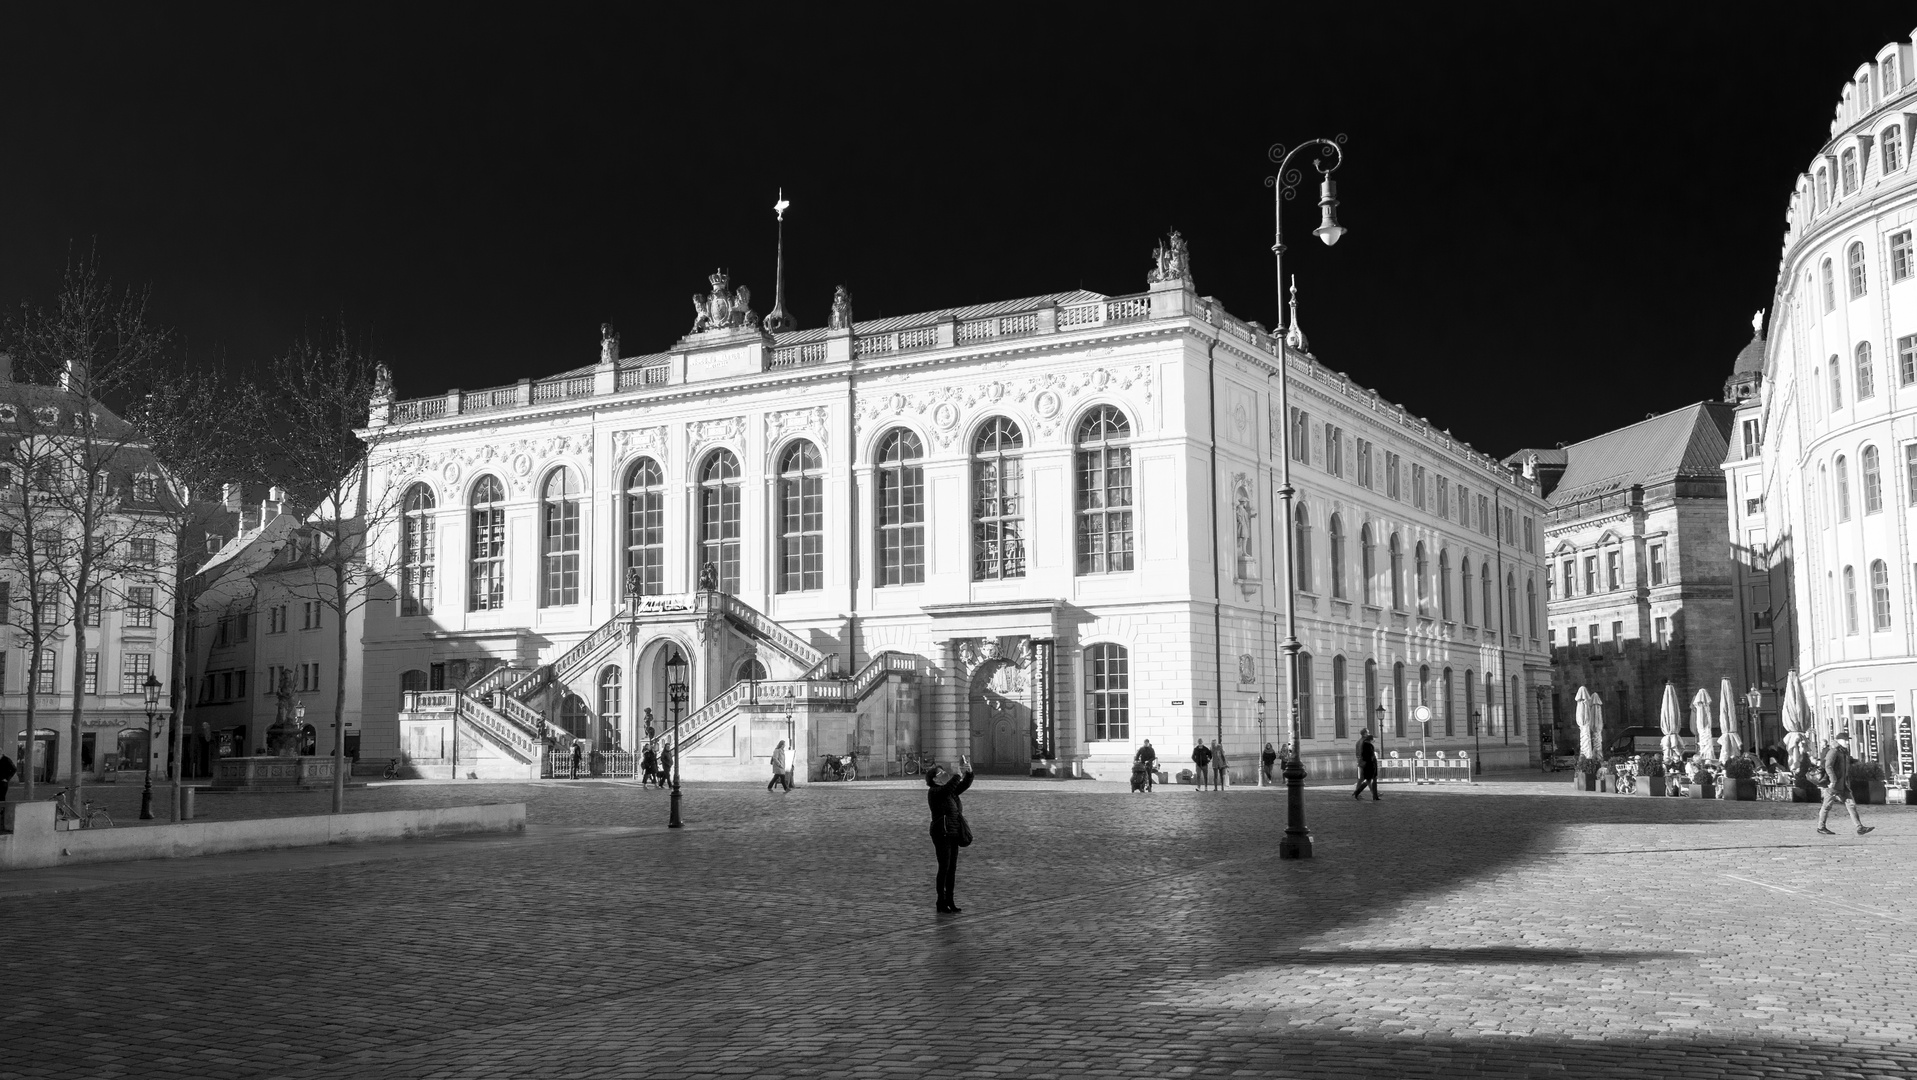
[(1740, 778), (1585, 776), (1650, 775), (1703, 782), (1867, 783), (1910, 789)]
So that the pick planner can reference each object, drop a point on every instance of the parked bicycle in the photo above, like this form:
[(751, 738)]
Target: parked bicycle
[(89, 816), (393, 771), (914, 763), (840, 767)]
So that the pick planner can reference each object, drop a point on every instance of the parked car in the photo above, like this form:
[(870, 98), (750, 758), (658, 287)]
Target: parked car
[(1647, 740)]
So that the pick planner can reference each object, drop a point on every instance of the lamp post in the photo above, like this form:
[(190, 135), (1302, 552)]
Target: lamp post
[(1380, 711), (1326, 155), (1477, 754), (152, 688), (1755, 700), (675, 693), (1261, 740), (791, 742)]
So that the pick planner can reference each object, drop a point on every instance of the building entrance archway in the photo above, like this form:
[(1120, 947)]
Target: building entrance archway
[(1001, 718)]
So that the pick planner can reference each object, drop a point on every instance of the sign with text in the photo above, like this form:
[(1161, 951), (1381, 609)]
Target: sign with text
[(1905, 761), (662, 605)]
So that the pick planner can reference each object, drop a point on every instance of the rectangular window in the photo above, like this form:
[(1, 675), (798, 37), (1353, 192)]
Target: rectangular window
[(1108, 691), (1510, 534), (1617, 633), (310, 614), (49, 603), (1484, 514), (1443, 507), (144, 550), (1663, 630), (1614, 570), (1900, 255), (1590, 574), (1104, 510), (1464, 506), (90, 675), (1594, 635), (1570, 572), (1906, 361), (1391, 475), (94, 604), (1850, 170), (1657, 564), (6, 605), (1766, 664), (140, 606), (1751, 441), (43, 678), (1530, 534), (1417, 486), (1551, 637), (6, 541), (134, 668), (1571, 636)]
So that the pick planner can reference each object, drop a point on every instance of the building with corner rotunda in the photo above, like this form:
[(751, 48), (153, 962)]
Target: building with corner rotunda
[(1038, 531)]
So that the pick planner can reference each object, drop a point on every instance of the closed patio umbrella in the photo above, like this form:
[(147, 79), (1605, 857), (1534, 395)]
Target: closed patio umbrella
[(1701, 723), (1670, 721), (1586, 741), (1727, 719), (1597, 725), (1797, 724)]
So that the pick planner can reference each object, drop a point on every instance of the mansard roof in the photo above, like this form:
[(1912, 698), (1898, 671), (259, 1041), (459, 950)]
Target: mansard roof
[(1687, 442)]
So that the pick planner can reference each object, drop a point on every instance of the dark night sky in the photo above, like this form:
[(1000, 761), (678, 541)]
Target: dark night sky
[(1584, 210)]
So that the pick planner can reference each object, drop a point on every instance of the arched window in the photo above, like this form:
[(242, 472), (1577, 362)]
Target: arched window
[(1888, 147), (1367, 560), (1397, 573), (1399, 706), (1472, 717), (559, 517), (1854, 265), (1337, 530), (998, 503), (1490, 599), (1514, 706), (1511, 603), (1531, 605), (801, 519), (1340, 723), (1830, 284), (1307, 721), (410, 681), (1879, 595), (1873, 481), (1821, 484), (1105, 492), (416, 553), (1108, 691), (1823, 203), (645, 529), (1850, 600), (1301, 552), (487, 513), (1866, 379), (1444, 585), (901, 513), (575, 716), (1490, 704), (750, 670), (1464, 588), (1445, 688), (1371, 695), (1423, 570), (719, 519), (1843, 488), (609, 686), (1836, 384)]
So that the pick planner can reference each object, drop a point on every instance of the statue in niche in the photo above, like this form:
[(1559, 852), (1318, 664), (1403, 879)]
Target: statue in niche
[(1242, 514), (1173, 261), (841, 308)]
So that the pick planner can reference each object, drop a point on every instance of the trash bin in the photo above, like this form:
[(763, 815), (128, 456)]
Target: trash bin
[(186, 803)]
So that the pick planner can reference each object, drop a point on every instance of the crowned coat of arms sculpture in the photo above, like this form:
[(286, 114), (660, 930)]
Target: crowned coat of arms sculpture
[(724, 308)]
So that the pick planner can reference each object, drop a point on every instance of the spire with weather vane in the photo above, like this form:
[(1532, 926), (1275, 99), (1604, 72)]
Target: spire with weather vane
[(780, 320)]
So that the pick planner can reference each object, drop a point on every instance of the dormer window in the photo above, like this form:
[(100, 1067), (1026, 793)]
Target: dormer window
[(1849, 167), (1889, 68), (1887, 147), (1863, 94), (1823, 188)]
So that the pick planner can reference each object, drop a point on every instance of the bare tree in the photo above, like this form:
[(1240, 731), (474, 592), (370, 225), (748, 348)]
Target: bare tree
[(34, 544), (318, 393)]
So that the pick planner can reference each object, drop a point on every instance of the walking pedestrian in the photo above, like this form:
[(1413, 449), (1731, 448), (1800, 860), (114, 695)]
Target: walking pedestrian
[(665, 766), (781, 761), (1201, 762), (949, 829), (1149, 756), (1837, 785), (578, 752), (1367, 766), (1217, 766), (648, 765), (1267, 760), (7, 770)]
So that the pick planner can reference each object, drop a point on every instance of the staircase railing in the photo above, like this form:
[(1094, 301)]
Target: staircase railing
[(697, 726), (491, 681), (877, 669), (520, 743), (763, 625), (569, 661)]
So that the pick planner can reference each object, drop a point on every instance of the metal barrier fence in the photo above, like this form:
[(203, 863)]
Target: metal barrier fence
[(620, 763), (1419, 769)]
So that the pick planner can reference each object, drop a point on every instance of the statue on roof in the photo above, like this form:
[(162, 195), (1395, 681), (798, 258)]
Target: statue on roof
[(608, 344), (841, 308), (382, 382), (1173, 261), (1757, 323), (724, 308)]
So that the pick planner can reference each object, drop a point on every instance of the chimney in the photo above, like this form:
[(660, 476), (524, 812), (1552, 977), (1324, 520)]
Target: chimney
[(230, 498), (74, 378), (214, 542), (273, 506)]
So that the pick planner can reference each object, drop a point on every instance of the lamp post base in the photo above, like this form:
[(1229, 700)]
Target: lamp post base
[(1296, 843), (146, 799), (675, 823)]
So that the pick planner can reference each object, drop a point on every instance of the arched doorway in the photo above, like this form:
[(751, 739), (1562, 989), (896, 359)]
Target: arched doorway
[(649, 685), (46, 751), (1001, 718)]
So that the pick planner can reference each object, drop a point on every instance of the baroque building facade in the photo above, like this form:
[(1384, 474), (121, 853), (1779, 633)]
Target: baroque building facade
[(1835, 476), (1036, 531)]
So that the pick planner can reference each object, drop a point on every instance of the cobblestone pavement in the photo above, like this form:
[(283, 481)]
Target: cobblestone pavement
[(1508, 930)]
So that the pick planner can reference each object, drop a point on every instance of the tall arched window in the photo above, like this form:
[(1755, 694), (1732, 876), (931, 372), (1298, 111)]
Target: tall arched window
[(559, 532), (1873, 481), (1337, 530), (1104, 492), (1399, 706), (1490, 704), (998, 504), (1866, 377), (1836, 384), (487, 514), (901, 513), (1444, 684), (1367, 560), (1339, 721), (1307, 720), (575, 716), (801, 519), (1531, 606), (1371, 695), (1444, 585), (1472, 717), (1830, 285), (1854, 265), (719, 518), (645, 529), (609, 687), (1397, 573), (1464, 588), (1301, 552), (416, 553), (1108, 691), (1514, 705), (1879, 595), (1511, 603), (1843, 488), (1490, 599), (1423, 570)]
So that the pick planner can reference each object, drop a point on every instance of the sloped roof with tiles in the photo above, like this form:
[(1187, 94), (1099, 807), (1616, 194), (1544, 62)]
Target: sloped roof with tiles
[(1686, 442)]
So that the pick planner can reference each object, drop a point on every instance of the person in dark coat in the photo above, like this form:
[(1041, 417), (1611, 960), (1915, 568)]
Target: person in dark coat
[(1148, 757), (942, 795), (1267, 760), (1837, 785), (7, 770), (1201, 762), (649, 767), (1367, 766), (665, 765), (578, 752)]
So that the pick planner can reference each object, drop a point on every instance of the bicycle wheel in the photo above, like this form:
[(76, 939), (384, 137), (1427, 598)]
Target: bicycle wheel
[(99, 819)]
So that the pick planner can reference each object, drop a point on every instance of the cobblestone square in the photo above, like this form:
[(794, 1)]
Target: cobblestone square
[(1509, 929)]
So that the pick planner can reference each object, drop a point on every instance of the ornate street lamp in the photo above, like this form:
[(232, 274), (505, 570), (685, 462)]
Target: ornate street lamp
[(1755, 700), (1381, 729), (1326, 155), (1261, 740), (675, 693), (1477, 717), (152, 688)]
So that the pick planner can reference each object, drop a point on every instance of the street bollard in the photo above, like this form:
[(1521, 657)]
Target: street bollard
[(186, 803)]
